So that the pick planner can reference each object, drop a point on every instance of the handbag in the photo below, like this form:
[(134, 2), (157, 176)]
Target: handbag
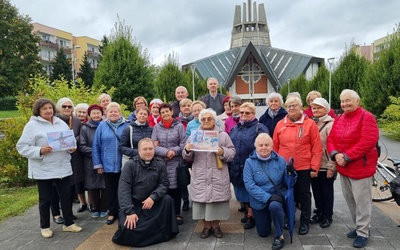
[(126, 158), (182, 174)]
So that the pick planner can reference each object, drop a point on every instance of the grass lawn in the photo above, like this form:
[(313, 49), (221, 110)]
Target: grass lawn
[(14, 201), (9, 113)]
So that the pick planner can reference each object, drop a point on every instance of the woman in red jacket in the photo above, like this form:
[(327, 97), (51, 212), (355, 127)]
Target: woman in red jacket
[(297, 136), (351, 144)]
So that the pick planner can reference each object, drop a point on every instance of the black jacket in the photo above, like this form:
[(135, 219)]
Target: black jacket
[(138, 132)]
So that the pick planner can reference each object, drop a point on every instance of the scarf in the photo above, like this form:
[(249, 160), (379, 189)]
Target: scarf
[(139, 124), (184, 118), (155, 119), (95, 123), (242, 122), (235, 117), (167, 124), (116, 124), (272, 113)]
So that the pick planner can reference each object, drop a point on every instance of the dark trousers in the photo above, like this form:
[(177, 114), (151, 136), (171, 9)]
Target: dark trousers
[(272, 212), (99, 200), (302, 194), (45, 189), (176, 195), (185, 194), (112, 180), (322, 188), (55, 200)]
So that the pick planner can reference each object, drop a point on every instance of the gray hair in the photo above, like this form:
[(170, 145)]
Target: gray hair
[(208, 111), (292, 100), (102, 96), (291, 94), (350, 92), (263, 136), (79, 106), (274, 95), (63, 100)]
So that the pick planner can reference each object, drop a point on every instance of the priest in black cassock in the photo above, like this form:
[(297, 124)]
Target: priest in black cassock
[(147, 213)]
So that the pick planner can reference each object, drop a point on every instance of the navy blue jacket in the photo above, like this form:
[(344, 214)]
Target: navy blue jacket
[(269, 122)]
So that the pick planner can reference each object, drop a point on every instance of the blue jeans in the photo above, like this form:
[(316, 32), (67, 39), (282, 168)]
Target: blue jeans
[(272, 212)]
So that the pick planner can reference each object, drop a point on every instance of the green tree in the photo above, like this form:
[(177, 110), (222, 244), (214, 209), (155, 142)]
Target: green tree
[(86, 72), (61, 67), (125, 64), (383, 77), (18, 50), (104, 43)]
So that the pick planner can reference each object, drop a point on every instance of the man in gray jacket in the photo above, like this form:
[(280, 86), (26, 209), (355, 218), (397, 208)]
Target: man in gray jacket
[(147, 213)]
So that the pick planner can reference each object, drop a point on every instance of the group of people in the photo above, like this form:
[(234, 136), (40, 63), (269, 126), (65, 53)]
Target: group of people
[(128, 166)]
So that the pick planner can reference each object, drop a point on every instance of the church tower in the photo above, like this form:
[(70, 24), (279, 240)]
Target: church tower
[(251, 26)]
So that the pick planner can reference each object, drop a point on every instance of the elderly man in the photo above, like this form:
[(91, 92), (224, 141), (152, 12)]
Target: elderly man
[(147, 213), (213, 99), (180, 93)]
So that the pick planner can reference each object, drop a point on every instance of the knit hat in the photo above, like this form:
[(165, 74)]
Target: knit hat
[(156, 100), (226, 99), (95, 106), (322, 102)]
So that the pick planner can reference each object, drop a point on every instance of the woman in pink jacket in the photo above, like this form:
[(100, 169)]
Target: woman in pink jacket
[(351, 144)]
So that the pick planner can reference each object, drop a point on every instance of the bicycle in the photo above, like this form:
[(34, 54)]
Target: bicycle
[(381, 180)]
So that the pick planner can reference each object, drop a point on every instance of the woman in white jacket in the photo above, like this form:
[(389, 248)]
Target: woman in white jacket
[(47, 166)]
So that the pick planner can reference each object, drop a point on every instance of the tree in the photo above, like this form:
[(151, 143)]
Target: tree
[(18, 50), (104, 43), (382, 77), (61, 67), (86, 72), (126, 66)]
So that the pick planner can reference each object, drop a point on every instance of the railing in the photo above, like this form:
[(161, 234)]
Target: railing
[(48, 44), (93, 53)]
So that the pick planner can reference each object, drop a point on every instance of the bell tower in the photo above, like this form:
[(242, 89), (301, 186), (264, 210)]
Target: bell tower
[(250, 26)]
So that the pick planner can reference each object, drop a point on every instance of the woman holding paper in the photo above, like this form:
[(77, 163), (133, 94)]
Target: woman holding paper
[(210, 184), (46, 166)]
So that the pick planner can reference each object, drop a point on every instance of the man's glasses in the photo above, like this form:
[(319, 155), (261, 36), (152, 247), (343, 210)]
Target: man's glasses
[(245, 112), (207, 119), (66, 106)]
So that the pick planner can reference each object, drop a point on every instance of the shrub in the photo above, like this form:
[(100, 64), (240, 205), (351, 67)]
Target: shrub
[(390, 119), (8, 103)]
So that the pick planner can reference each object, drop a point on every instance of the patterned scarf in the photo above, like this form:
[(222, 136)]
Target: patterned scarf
[(116, 124), (184, 118), (272, 113)]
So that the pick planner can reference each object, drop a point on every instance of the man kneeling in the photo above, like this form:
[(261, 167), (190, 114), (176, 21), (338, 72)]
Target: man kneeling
[(147, 213)]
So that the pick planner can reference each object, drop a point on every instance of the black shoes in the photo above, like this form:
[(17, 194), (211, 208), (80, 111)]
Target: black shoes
[(217, 232), (111, 221), (303, 229), (250, 223), (242, 208), (317, 218), (205, 233), (58, 220), (185, 206), (360, 242), (82, 208), (325, 222), (278, 243)]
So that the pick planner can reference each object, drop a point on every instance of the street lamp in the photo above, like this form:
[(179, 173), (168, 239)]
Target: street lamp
[(193, 68), (330, 61), (288, 86), (72, 61)]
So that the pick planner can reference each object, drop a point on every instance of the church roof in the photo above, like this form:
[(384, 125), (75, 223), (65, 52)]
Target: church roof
[(278, 65)]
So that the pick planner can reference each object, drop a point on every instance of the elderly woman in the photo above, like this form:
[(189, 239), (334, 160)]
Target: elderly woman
[(65, 108), (322, 185), (94, 182), (169, 136), (228, 112), (210, 187), (274, 113), (138, 102), (264, 172), (138, 129), (243, 136), (297, 136), (185, 116), (46, 166), (193, 125), (103, 100), (154, 116), (107, 157), (309, 99), (230, 122), (80, 112), (352, 144)]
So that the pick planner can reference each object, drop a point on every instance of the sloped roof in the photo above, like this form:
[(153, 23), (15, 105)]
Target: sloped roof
[(278, 65)]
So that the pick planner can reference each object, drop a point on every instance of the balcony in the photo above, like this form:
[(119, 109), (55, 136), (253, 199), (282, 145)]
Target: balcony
[(48, 44), (92, 53)]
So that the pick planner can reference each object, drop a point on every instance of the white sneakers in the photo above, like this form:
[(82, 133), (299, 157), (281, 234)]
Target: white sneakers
[(46, 232), (72, 228)]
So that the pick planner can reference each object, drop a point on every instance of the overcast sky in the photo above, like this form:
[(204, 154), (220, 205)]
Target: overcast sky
[(195, 29)]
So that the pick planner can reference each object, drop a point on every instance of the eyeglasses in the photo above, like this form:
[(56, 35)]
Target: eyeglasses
[(66, 106), (140, 103), (245, 112), (293, 106), (207, 119)]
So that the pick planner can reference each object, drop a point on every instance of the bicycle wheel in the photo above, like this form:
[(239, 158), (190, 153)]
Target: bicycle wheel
[(380, 185)]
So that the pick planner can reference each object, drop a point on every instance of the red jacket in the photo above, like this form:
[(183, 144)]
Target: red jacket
[(355, 135), (299, 140)]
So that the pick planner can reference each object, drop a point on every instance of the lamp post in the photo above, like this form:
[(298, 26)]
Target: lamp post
[(288, 86), (193, 68), (330, 61), (73, 61)]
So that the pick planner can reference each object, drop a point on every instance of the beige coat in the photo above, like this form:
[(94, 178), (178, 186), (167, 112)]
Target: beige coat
[(326, 162), (209, 184)]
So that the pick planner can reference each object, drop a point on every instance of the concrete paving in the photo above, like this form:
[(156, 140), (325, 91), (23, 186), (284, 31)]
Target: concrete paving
[(23, 232)]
